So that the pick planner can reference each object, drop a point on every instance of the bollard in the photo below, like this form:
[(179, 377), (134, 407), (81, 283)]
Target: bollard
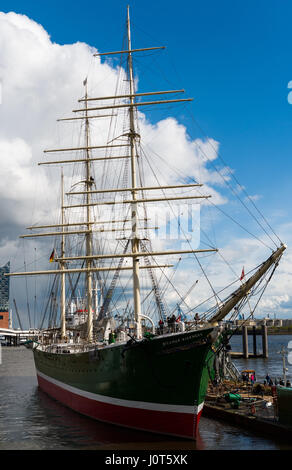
[(254, 340), (265, 340), (245, 342)]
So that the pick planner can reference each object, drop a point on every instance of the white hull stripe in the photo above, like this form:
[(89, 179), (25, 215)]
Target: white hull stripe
[(127, 403)]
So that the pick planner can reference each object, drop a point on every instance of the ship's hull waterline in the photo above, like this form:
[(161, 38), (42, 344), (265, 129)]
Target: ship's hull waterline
[(156, 385)]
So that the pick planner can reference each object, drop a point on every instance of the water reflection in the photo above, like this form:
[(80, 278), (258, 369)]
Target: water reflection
[(69, 429)]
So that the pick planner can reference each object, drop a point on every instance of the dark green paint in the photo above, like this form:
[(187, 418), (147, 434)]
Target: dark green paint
[(170, 369)]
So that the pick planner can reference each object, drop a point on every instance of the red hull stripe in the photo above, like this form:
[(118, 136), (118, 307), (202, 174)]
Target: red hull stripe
[(154, 419)]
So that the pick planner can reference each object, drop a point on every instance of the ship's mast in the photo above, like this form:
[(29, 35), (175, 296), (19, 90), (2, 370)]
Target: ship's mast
[(62, 265), (88, 184), (135, 236)]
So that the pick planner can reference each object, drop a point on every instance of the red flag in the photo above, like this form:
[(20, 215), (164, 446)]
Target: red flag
[(242, 274)]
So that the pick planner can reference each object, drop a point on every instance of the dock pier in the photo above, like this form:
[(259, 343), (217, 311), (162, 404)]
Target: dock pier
[(13, 337), (263, 332)]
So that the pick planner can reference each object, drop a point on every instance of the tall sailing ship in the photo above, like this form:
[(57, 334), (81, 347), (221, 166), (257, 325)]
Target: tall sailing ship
[(110, 359)]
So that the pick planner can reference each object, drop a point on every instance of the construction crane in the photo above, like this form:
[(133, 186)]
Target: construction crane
[(17, 314)]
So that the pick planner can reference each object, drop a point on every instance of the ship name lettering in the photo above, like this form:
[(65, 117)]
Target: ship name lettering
[(180, 340)]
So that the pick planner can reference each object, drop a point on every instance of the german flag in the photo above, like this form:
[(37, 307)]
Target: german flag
[(52, 257)]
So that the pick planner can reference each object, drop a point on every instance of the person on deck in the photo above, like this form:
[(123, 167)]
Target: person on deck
[(112, 338), (173, 318)]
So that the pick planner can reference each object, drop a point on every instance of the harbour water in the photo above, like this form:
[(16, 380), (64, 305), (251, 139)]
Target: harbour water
[(30, 420), (273, 364)]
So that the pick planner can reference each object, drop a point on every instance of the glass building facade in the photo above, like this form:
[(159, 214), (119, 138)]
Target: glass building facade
[(4, 288)]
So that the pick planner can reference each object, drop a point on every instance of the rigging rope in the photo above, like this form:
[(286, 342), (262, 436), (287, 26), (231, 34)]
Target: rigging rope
[(245, 299), (210, 202), (241, 187)]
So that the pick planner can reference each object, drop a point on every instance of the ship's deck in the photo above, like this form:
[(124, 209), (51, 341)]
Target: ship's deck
[(80, 346)]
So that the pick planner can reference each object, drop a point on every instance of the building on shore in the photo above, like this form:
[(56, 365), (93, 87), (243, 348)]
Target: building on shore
[(4, 296), (270, 322)]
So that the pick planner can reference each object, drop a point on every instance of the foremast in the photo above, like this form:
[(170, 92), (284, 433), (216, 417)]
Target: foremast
[(62, 265)]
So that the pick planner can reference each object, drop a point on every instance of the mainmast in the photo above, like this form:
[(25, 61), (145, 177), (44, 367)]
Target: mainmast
[(62, 265), (88, 184), (135, 235)]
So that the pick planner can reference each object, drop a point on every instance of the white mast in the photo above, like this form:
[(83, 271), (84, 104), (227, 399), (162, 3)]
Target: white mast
[(62, 266), (89, 227), (135, 238)]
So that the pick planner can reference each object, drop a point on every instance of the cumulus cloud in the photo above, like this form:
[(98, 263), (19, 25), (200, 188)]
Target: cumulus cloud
[(169, 140)]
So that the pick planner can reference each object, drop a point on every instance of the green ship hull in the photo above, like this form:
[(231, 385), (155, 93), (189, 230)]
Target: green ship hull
[(157, 384)]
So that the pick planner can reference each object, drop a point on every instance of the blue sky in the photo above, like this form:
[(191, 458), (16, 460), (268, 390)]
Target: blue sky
[(233, 57)]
